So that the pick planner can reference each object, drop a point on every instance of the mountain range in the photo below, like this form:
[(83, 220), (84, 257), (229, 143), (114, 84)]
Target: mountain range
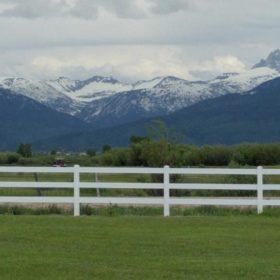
[(75, 115), (230, 119)]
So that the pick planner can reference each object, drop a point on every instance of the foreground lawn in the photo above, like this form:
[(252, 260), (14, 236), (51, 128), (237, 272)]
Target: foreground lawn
[(61, 247)]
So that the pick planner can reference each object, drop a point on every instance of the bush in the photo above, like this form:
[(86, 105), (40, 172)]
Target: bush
[(12, 158)]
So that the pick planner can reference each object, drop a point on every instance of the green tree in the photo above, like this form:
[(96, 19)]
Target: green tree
[(137, 139), (156, 153), (53, 152), (25, 150), (106, 148), (91, 152), (158, 130)]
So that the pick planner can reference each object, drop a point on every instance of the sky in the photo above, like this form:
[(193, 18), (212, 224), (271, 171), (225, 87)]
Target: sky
[(135, 39)]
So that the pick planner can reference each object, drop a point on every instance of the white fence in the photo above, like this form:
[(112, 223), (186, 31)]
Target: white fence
[(166, 200)]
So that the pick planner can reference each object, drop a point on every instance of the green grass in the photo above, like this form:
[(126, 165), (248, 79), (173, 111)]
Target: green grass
[(63, 247), (61, 177), (115, 210)]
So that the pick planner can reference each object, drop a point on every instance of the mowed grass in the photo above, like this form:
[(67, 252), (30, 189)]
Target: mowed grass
[(61, 247)]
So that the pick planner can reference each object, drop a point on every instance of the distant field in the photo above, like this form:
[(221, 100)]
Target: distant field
[(61, 247), (129, 178)]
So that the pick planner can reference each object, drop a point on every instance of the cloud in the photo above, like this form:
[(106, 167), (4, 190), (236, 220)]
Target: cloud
[(35, 8), (207, 33), (84, 9), (125, 8), (132, 63), (222, 64), (128, 63), (89, 9), (169, 6), (48, 63)]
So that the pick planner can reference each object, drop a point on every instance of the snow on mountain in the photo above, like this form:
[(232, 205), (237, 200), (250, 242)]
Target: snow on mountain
[(105, 98), (147, 84), (168, 95), (41, 92), (173, 93), (97, 87), (63, 84), (244, 81), (272, 61)]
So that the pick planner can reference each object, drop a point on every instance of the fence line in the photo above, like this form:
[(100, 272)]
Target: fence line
[(166, 200)]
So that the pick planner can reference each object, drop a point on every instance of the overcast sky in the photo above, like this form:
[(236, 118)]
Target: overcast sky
[(135, 39)]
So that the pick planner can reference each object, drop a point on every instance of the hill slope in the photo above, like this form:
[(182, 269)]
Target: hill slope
[(252, 117), (25, 120), (230, 119)]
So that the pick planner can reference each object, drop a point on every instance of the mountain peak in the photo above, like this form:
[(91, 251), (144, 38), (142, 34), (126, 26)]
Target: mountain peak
[(99, 79), (272, 61), (62, 78), (226, 75), (171, 80)]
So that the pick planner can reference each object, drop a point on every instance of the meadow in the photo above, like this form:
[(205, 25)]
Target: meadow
[(136, 242), (48, 177), (212, 247)]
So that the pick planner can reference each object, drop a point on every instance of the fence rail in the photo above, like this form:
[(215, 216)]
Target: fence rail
[(166, 200)]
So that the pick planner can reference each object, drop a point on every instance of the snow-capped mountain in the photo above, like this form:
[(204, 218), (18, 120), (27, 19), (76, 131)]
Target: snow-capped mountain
[(96, 87), (106, 101), (42, 92), (244, 81), (229, 119), (71, 96), (169, 95), (272, 61)]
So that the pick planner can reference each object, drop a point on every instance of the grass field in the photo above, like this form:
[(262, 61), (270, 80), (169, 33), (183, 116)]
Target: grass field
[(30, 177), (63, 247)]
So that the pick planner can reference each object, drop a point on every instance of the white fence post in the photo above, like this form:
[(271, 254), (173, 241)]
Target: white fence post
[(165, 200), (260, 188), (76, 190), (166, 192)]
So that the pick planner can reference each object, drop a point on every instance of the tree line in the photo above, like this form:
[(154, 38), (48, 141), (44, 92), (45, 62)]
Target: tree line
[(144, 151)]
